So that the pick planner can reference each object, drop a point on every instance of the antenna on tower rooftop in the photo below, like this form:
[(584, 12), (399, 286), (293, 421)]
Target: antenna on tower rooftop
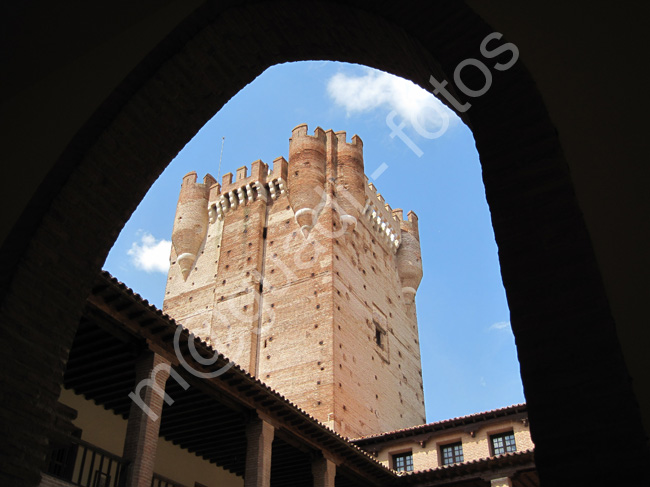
[(220, 158)]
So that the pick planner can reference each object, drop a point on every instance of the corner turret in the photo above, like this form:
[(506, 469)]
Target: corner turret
[(306, 175), (350, 179), (409, 256), (191, 221)]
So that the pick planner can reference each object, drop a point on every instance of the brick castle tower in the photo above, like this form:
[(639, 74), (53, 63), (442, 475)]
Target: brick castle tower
[(307, 279)]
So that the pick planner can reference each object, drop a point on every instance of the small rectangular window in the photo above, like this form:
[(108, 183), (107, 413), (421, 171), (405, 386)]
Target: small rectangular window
[(380, 335), (403, 462), (452, 453), (503, 443)]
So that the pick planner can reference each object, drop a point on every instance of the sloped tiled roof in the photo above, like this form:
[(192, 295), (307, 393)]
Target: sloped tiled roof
[(523, 460), (443, 425)]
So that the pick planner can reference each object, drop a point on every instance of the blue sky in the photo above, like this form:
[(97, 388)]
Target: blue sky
[(469, 358)]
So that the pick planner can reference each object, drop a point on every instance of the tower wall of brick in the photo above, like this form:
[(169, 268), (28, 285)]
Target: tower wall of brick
[(301, 278)]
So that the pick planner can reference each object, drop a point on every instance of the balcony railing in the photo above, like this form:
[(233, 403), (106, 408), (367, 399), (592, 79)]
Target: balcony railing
[(86, 465), (160, 481)]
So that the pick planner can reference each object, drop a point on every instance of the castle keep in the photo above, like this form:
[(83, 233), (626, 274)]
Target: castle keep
[(305, 277)]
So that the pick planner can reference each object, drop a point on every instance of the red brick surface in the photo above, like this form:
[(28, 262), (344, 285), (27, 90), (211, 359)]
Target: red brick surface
[(311, 331), (141, 439)]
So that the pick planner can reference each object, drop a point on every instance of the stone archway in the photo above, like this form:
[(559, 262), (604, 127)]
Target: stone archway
[(570, 358)]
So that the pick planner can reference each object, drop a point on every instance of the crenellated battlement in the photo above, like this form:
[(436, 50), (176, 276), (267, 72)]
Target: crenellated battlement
[(260, 171), (302, 131), (341, 141), (311, 158), (411, 224), (382, 218), (190, 185), (245, 189)]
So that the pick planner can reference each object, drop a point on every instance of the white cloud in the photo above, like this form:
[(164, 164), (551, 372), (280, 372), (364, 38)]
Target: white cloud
[(501, 325), (150, 255), (482, 382), (375, 89)]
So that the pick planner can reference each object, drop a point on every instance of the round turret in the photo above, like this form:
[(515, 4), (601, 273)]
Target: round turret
[(191, 222), (306, 175), (409, 257), (350, 179)]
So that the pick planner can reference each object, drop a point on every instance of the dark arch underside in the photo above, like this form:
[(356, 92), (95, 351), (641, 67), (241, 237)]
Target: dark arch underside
[(570, 358)]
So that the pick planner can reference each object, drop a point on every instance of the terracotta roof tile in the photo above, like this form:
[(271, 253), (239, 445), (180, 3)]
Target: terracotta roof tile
[(445, 424)]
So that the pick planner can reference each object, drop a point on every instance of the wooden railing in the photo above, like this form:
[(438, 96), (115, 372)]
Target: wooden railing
[(86, 465), (160, 481)]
